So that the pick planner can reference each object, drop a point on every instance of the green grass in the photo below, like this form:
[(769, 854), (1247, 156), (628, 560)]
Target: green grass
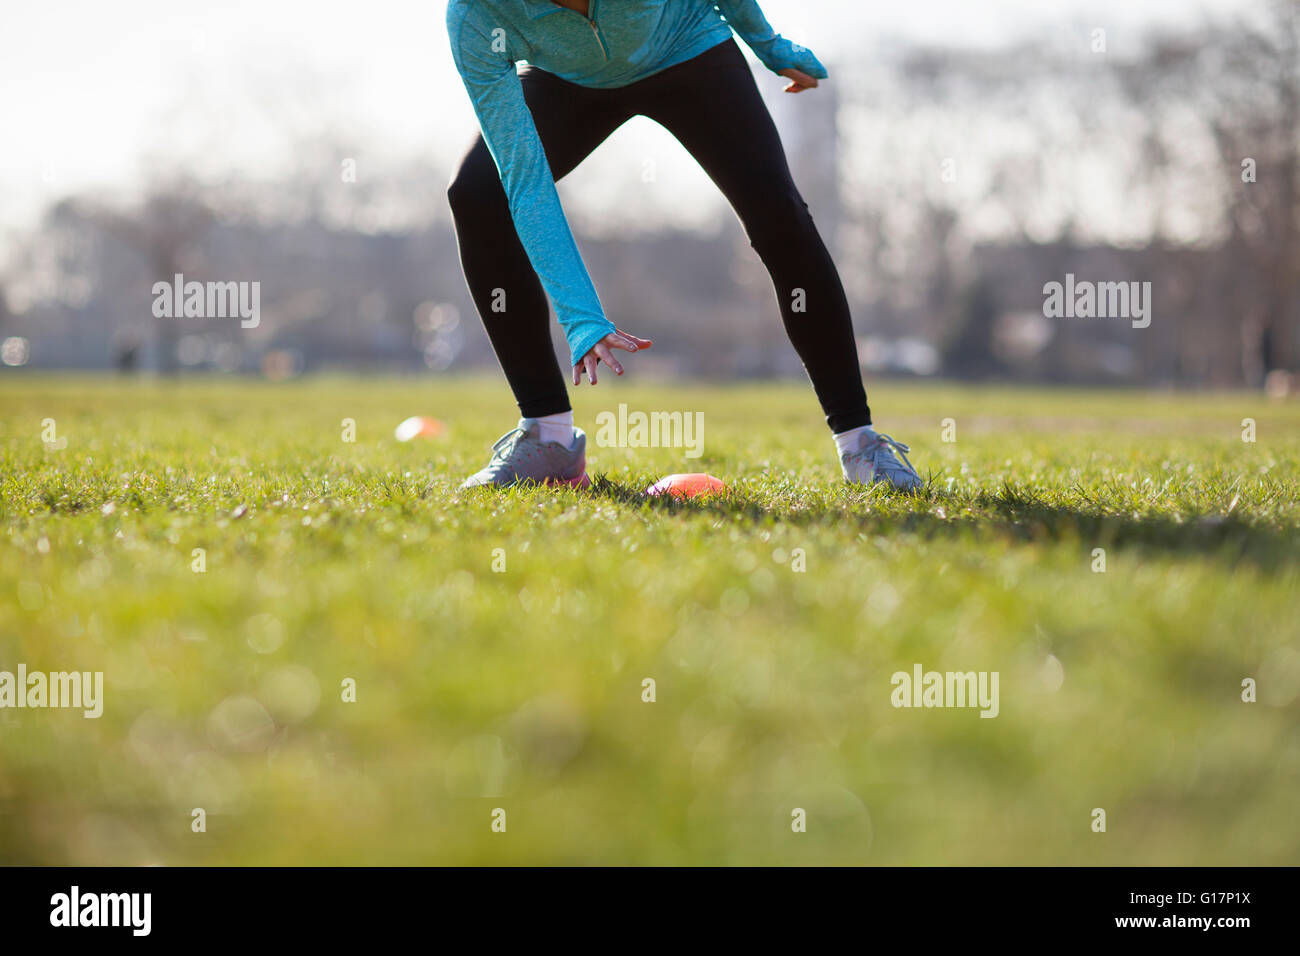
[(522, 690)]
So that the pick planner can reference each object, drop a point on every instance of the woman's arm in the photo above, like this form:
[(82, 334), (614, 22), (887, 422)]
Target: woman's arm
[(773, 50), (493, 85)]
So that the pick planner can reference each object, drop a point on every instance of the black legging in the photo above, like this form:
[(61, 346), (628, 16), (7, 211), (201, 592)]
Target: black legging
[(712, 106)]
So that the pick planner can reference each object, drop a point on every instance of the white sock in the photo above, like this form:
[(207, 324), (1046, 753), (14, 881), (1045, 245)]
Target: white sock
[(557, 427), (849, 440)]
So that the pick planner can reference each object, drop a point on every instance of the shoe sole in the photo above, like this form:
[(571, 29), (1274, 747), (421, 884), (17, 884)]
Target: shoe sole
[(882, 480), (905, 489), (582, 481)]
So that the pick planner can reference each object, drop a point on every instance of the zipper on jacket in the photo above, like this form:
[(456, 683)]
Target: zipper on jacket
[(604, 50), (595, 28)]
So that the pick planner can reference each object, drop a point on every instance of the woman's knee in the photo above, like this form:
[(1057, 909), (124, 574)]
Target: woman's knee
[(476, 185), (780, 219)]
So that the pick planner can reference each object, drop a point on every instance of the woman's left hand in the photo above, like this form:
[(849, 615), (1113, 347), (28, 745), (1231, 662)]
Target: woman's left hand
[(796, 63), (802, 81), (600, 352)]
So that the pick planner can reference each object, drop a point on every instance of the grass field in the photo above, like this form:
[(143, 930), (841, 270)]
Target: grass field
[(522, 689)]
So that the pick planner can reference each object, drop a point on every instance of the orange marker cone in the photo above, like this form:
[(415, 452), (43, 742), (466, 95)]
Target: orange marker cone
[(687, 486), (418, 426)]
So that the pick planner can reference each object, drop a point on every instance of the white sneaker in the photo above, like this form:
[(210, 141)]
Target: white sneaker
[(874, 461), (520, 456)]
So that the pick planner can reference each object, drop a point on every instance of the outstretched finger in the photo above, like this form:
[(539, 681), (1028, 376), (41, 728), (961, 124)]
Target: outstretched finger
[(628, 342), (605, 355), (589, 362)]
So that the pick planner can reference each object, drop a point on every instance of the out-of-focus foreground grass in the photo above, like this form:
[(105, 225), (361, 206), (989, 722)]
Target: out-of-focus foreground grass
[(522, 689)]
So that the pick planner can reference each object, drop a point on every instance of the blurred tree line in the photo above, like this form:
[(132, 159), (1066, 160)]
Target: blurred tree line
[(1196, 139)]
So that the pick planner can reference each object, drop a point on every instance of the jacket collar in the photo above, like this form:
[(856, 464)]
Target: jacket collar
[(540, 8)]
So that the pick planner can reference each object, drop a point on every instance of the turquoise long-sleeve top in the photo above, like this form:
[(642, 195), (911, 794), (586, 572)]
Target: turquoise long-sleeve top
[(618, 43)]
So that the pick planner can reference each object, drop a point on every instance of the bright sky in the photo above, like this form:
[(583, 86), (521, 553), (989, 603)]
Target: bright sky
[(89, 86)]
